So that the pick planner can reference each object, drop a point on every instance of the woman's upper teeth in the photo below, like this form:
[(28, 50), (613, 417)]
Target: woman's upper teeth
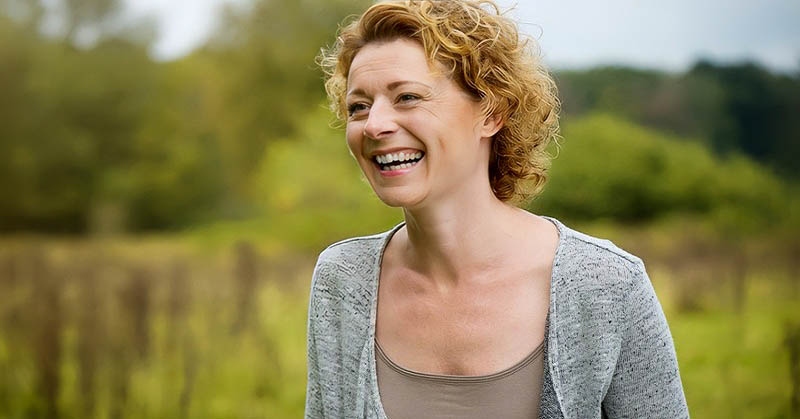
[(401, 156)]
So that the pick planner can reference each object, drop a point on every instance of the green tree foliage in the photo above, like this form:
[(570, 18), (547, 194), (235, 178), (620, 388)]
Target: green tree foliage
[(83, 129), (266, 53), (99, 127), (613, 169), (735, 108), (762, 111)]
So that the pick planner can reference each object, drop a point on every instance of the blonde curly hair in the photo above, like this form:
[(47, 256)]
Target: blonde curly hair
[(486, 55)]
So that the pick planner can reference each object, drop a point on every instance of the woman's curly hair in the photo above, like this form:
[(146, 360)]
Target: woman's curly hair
[(485, 54)]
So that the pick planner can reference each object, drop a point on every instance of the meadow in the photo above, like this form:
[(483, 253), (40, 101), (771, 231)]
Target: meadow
[(159, 221), (172, 326)]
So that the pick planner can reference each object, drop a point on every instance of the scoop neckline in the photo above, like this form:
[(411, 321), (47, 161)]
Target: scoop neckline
[(459, 379), (371, 346)]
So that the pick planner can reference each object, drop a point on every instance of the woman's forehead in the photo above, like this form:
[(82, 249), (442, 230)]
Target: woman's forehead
[(401, 58)]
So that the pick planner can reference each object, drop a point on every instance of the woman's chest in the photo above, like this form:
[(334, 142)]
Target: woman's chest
[(470, 331)]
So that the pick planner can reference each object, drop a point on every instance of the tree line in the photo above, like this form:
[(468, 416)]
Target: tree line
[(95, 133), (732, 108)]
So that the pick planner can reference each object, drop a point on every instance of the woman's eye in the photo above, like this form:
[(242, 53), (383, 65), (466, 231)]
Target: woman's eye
[(355, 108), (407, 97)]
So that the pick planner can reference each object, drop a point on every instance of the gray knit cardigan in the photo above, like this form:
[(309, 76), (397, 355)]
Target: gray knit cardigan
[(608, 349)]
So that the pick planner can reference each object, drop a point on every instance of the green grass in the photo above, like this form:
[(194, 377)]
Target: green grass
[(735, 365), (733, 361)]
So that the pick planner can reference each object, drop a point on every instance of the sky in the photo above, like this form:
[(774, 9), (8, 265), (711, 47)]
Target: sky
[(668, 35)]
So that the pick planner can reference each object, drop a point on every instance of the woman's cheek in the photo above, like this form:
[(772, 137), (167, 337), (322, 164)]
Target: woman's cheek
[(352, 141)]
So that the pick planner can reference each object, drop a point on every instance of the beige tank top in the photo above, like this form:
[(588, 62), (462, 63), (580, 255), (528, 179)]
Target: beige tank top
[(511, 393)]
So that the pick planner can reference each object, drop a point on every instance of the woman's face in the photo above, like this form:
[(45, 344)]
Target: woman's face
[(416, 134)]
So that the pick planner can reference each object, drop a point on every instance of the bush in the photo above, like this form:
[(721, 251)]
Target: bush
[(610, 168)]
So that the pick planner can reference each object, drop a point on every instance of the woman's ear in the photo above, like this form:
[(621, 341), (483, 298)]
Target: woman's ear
[(491, 125)]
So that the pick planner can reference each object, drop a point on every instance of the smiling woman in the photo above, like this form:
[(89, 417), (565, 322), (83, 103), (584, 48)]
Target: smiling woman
[(472, 307), (485, 56)]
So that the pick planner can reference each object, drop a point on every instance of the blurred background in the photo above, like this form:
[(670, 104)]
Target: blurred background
[(168, 175)]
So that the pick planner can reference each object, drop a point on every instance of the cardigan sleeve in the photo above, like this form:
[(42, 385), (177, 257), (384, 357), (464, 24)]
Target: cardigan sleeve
[(314, 403), (646, 382)]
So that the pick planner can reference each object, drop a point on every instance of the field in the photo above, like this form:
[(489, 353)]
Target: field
[(160, 219), (169, 326)]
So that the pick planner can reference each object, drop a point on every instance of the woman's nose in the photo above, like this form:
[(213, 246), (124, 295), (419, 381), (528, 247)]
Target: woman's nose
[(381, 121)]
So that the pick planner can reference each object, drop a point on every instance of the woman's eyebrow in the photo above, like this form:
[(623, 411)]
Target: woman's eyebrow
[(391, 86), (396, 84)]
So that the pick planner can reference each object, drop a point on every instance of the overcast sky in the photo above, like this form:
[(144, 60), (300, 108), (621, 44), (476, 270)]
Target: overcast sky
[(581, 33)]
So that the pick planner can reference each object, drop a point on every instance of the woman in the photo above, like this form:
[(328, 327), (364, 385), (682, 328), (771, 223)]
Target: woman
[(472, 307)]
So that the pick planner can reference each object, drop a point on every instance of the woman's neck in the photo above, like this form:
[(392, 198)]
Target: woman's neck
[(461, 239)]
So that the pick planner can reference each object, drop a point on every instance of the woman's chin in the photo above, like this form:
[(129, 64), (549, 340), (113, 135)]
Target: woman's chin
[(398, 198)]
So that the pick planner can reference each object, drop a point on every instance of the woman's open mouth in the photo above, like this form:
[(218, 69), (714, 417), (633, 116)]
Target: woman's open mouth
[(397, 163)]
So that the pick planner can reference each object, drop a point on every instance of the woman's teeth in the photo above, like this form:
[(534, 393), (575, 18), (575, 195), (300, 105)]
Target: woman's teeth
[(401, 160), (398, 157), (397, 166)]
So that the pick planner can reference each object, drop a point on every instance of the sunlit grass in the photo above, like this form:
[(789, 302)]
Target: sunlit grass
[(198, 363), (735, 364)]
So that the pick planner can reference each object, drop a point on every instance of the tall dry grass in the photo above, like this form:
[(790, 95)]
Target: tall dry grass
[(126, 329)]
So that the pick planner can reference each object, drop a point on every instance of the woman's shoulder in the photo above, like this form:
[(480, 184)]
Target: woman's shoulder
[(586, 260), (354, 250), (349, 265)]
